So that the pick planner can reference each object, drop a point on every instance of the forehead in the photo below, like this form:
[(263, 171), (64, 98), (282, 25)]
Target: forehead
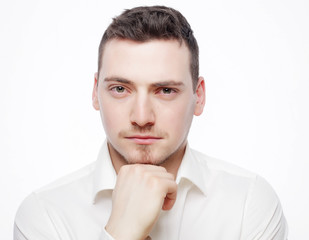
[(151, 61)]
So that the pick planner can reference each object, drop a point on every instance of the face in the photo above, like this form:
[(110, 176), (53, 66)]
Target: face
[(145, 98)]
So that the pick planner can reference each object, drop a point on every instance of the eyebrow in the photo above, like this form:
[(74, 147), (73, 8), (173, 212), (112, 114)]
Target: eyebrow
[(117, 79), (157, 84), (167, 83)]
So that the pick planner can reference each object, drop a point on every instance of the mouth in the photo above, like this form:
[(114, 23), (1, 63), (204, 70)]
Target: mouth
[(143, 140)]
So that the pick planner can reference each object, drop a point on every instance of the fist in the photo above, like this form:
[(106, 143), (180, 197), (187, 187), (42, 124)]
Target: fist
[(140, 193)]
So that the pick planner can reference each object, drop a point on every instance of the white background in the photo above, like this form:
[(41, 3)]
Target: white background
[(254, 57)]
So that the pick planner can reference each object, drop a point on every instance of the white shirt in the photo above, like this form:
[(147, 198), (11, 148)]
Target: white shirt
[(215, 201)]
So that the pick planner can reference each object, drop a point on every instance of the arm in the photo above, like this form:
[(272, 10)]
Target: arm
[(18, 235), (141, 192), (32, 221), (263, 216)]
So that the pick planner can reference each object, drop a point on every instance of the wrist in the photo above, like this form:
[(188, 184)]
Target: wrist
[(123, 232)]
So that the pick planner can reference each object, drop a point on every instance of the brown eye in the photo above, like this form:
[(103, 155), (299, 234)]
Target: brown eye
[(166, 90)]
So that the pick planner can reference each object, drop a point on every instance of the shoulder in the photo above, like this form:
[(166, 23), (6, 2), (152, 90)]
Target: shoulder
[(261, 209), (34, 216), (79, 176), (79, 180), (220, 166), (225, 176), (256, 187), (32, 220)]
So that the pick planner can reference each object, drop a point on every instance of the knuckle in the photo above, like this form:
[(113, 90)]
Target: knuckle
[(171, 176), (155, 183), (123, 170), (163, 169), (138, 170)]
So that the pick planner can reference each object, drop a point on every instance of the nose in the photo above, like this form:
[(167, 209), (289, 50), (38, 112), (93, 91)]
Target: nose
[(142, 112)]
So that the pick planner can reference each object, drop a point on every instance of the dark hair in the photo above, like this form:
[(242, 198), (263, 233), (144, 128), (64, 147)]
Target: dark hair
[(142, 24)]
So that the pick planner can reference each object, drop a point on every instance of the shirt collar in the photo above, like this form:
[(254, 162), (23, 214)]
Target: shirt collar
[(105, 176), (104, 173), (194, 170)]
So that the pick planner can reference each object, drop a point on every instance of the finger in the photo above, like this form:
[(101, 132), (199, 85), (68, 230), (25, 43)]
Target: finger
[(139, 168), (171, 196), (150, 167), (161, 175)]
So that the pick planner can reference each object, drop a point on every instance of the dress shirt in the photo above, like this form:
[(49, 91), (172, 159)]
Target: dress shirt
[(215, 201)]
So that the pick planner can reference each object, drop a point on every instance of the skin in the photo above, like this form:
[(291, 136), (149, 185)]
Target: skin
[(145, 98)]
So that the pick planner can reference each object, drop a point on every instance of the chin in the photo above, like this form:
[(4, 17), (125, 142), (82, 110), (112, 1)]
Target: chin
[(142, 160), (145, 157), (142, 154), (150, 162)]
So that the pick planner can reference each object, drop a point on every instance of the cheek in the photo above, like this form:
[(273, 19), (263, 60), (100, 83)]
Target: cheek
[(178, 118), (112, 116)]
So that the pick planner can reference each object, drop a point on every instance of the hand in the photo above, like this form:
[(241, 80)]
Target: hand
[(141, 192)]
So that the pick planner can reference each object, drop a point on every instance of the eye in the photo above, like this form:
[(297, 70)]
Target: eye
[(119, 89), (167, 93), (167, 90)]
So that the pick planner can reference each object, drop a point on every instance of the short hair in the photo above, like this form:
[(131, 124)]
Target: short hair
[(147, 23)]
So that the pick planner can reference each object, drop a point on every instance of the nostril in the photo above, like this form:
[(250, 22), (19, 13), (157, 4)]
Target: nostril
[(143, 128), (142, 119), (142, 112)]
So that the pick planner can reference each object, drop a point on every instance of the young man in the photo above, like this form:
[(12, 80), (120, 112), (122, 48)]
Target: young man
[(147, 182)]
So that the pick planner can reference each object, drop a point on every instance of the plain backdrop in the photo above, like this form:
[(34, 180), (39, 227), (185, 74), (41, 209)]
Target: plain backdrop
[(254, 56)]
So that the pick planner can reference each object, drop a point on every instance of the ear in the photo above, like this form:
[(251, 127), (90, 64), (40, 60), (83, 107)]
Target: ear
[(200, 96), (95, 99)]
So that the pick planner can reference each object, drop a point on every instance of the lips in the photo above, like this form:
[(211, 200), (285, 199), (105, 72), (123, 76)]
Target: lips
[(143, 140)]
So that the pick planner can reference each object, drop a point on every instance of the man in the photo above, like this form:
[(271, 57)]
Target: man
[(147, 182)]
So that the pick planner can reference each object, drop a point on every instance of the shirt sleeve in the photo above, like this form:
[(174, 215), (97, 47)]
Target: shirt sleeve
[(32, 222), (18, 235), (105, 235), (263, 216)]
